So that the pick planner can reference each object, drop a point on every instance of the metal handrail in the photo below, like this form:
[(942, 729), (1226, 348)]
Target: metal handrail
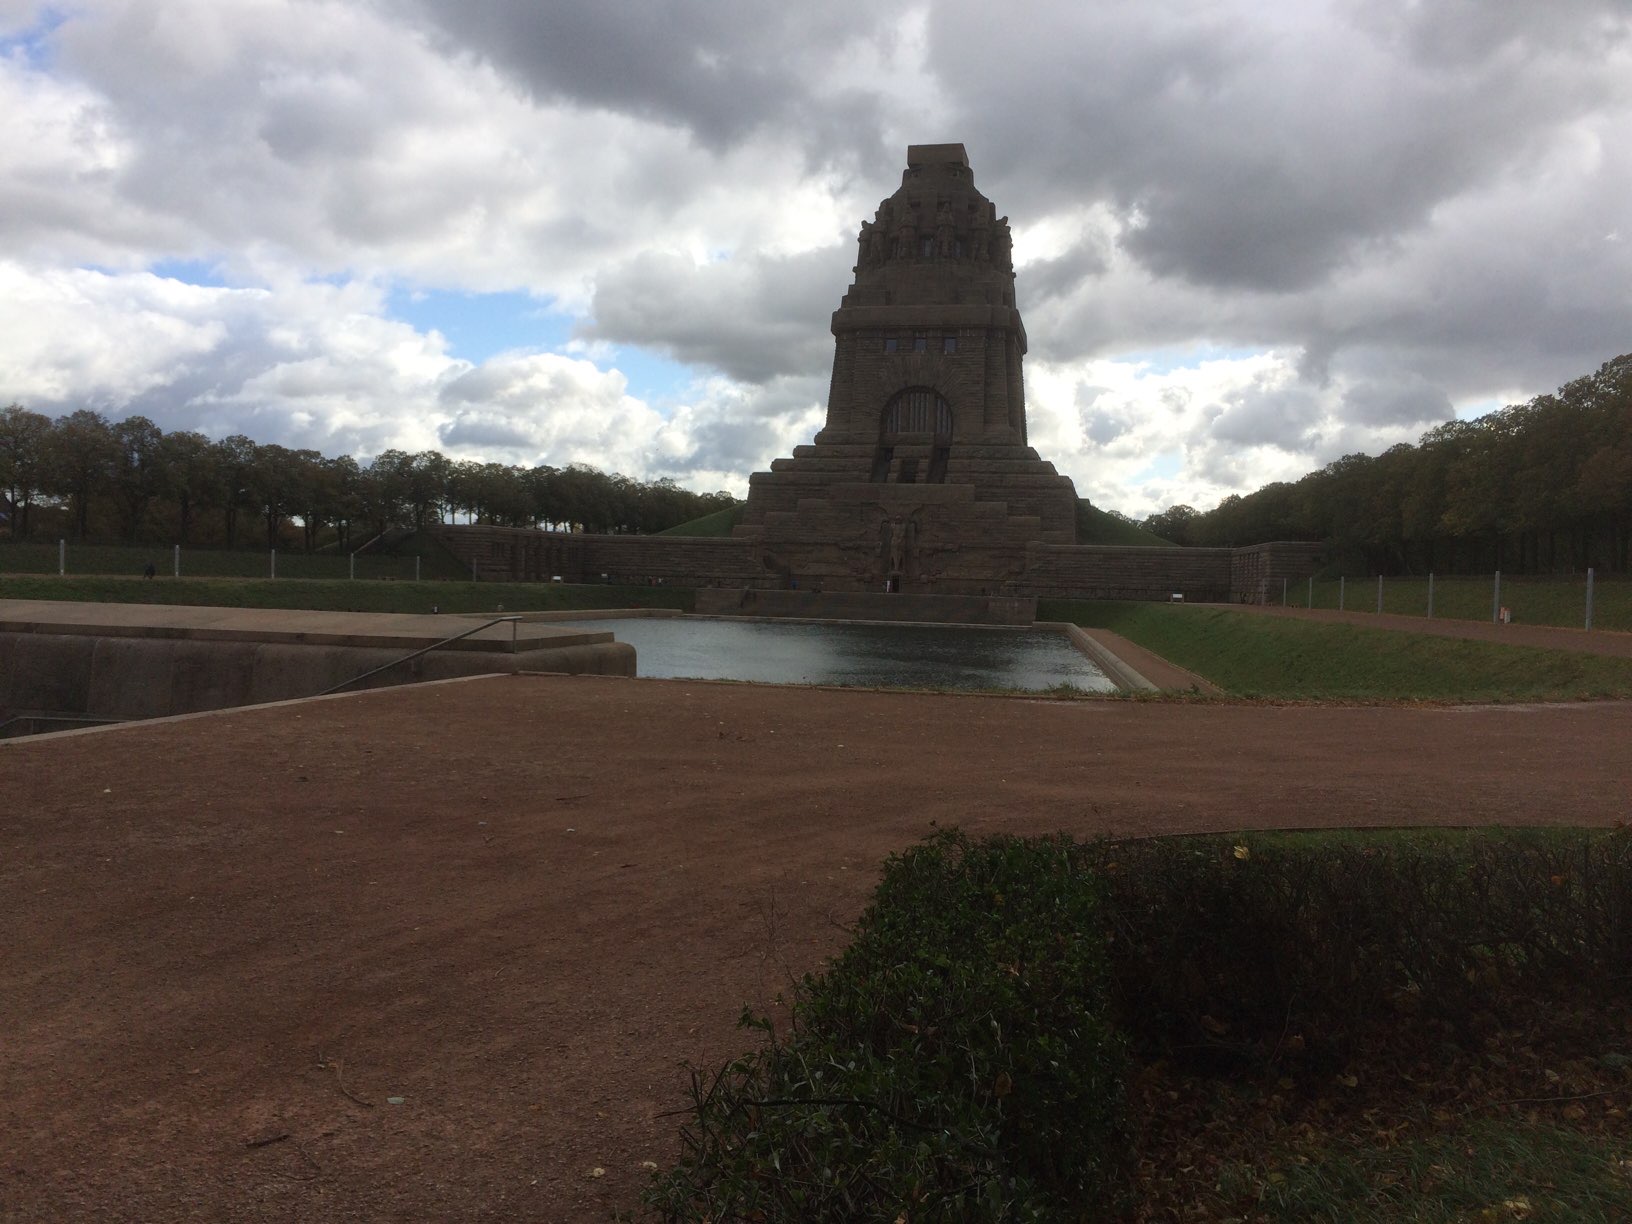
[(409, 658), (95, 720)]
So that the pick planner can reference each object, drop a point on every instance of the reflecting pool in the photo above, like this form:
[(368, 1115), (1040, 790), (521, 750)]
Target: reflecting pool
[(906, 656)]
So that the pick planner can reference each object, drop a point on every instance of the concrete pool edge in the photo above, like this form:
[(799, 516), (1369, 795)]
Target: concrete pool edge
[(1101, 656)]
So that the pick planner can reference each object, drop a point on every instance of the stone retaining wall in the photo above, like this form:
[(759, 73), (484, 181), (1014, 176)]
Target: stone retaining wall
[(1077, 571), (104, 677)]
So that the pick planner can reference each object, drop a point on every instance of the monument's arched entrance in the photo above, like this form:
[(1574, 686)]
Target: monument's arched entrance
[(921, 418)]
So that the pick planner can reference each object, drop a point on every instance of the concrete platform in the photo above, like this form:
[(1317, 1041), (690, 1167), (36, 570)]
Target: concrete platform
[(387, 630), (100, 662)]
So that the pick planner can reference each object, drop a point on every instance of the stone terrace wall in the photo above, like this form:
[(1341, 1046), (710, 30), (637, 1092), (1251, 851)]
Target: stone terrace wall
[(1080, 571), (520, 554), (1089, 571), (1256, 572)]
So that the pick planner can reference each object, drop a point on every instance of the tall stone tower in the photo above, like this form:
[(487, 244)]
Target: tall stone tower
[(921, 479)]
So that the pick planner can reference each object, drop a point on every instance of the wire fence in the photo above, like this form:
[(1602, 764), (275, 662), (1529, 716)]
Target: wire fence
[(113, 560), (1573, 601)]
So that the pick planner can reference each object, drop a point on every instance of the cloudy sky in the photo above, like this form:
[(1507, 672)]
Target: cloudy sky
[(1251, 236)]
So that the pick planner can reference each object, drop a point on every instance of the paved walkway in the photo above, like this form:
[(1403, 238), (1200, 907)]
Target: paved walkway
[(406, 631), (437, 952)]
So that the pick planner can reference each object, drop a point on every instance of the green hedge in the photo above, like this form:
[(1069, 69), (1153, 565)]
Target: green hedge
[(956, 1062), (1254, 946), (964, 1058)]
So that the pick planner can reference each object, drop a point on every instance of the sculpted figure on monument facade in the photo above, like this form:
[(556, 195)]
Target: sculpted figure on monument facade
[(898, 546), (906, 238), (944, 235), (1002, 244), (979, 241)]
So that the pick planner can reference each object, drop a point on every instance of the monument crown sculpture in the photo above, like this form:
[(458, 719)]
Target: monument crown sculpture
[(921, 478)]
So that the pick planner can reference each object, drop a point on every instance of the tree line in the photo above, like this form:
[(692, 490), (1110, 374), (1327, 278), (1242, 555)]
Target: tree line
[(98, 479), (1540, 487)]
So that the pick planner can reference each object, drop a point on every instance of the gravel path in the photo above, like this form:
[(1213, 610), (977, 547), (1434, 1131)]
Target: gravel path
[(437, 952)]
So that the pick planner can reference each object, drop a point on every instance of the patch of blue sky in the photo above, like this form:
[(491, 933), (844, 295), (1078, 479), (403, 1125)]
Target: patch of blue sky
[(1470, 409), (1164, 466), (1185, 357), (190, 272), (653, 378), (33, 45), (479, 326)]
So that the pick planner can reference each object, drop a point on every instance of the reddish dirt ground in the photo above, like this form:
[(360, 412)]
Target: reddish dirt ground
[(516, 904)]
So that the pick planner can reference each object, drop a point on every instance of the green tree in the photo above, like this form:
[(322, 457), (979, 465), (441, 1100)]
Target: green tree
[(190, 477), (138, 470), (80, 457), (24, 458)]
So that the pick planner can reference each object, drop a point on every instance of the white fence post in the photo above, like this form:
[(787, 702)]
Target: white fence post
[(175, 567), (1496, 600), (353, 559), (416, 568), (1283, 592), (62, 557), (274, 564), (1589, 597)]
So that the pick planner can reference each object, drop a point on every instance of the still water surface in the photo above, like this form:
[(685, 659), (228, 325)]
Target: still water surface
[(951, 657)]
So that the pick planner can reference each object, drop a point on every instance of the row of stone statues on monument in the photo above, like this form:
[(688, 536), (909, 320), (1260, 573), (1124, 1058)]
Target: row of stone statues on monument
[(887, 238)]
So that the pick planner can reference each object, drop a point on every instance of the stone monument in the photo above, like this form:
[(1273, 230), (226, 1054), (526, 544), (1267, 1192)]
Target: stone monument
[(921, 480)]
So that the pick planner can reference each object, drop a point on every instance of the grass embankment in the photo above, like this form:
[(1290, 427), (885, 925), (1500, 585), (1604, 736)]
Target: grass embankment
[(1549, 600), (719, 523), (1096, 526), (1284, 659), (35, 557), (1367, 1026), (346, 596)]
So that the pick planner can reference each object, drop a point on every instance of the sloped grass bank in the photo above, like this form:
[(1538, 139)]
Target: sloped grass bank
[(1368, 1026), (346, 596), (712, 525), (1271, 657), (1532, 599)]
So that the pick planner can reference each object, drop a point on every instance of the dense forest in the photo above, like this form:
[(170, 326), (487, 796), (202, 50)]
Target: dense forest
[(83, 476), (1542, 487)]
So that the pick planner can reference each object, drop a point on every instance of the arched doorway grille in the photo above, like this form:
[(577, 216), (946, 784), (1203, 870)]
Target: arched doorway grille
[(918, 410)]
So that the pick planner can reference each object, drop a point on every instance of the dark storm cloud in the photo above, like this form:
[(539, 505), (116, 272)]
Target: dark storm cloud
[(752, 318), (1262, 149), (717, 68)]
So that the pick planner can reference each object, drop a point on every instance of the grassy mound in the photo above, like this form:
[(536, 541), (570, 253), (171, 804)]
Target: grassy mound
[(1096, 526), (1427, 1026), (719, 523), (1260, 656)]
